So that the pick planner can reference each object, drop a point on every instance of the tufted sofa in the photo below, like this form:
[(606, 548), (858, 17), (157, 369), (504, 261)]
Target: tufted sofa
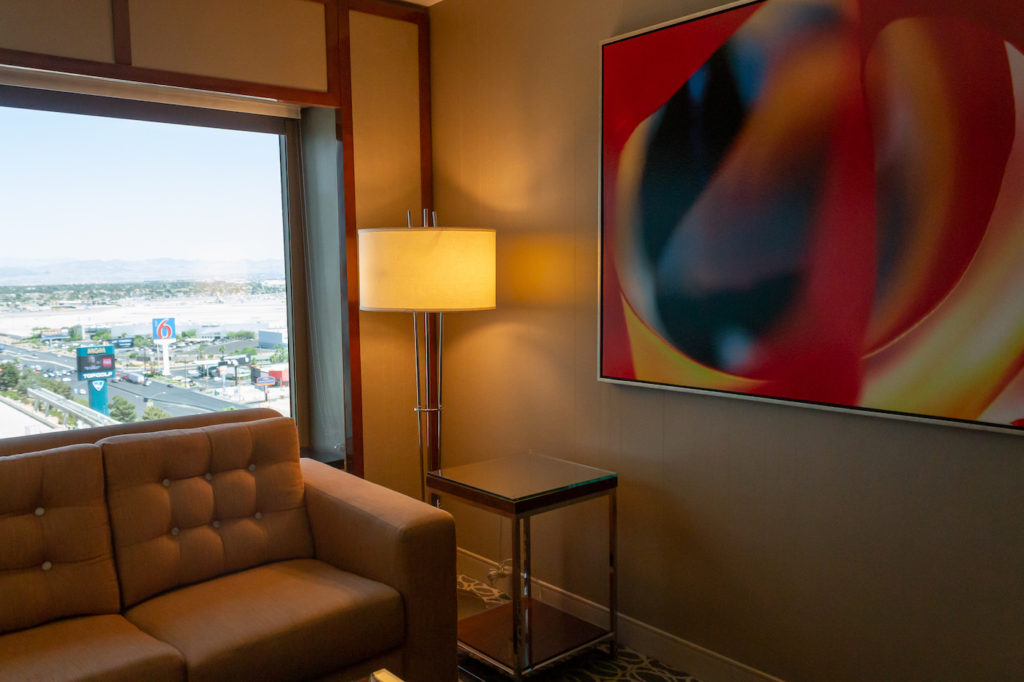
[(214, 553)]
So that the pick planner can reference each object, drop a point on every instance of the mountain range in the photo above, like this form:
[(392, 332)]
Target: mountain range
[(15, 273)]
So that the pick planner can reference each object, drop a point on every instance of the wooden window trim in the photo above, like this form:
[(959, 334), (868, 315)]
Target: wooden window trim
[(159, 112), (125, 72), (392, 9), (119, 14), (354, 462)]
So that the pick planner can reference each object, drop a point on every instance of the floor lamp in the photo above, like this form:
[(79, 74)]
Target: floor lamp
[(426, 271)]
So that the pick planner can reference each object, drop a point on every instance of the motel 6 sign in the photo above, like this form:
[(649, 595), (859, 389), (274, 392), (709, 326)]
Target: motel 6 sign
[(163, 329)]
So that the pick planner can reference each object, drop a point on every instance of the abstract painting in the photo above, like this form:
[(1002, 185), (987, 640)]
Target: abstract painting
[(820, 201)]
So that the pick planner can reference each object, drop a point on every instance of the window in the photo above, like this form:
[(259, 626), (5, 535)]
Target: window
[(142, 270)]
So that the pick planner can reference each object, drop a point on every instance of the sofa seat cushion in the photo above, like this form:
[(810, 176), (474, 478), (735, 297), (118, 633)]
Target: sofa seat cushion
[(291, 620), (107, 648)]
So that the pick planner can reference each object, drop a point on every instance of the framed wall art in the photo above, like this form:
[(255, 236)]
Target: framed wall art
[(820, 202)]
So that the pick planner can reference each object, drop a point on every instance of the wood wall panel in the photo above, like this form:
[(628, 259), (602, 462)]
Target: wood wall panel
[(275, 42), (388, 181), (80, 30), (386, 119)]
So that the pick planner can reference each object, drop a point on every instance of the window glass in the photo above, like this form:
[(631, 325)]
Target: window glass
[(142, 271)]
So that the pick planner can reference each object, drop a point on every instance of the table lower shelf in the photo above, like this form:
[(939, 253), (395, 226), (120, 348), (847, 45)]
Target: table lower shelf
[(551, 634)]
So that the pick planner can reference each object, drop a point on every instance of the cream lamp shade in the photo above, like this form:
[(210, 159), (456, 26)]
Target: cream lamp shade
[(430, 269)]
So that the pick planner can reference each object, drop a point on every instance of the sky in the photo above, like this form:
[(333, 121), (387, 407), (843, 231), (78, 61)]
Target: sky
[(76, 187)]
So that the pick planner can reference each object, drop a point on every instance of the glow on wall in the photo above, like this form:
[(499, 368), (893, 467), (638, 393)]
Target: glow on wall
[(820, 201)]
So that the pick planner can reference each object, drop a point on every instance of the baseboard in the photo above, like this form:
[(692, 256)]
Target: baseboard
[(702, 663)]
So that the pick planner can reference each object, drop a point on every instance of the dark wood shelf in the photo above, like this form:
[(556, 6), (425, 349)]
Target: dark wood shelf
[(551, 633)]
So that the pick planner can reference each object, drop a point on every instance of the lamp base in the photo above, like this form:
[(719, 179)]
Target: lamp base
[(428, 386)]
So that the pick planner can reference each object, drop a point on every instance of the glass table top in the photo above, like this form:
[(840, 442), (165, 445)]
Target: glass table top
[(521, 477)]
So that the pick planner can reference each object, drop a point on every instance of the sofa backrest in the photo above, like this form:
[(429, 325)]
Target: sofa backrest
[(189, 505), (56, 439), (55, 553)]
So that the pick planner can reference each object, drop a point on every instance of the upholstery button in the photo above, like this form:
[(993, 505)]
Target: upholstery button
[(208, 476), (258, 515), (216, 524), (175, 531), (252, 467), (167, 483), (40, 511), (47, 565)]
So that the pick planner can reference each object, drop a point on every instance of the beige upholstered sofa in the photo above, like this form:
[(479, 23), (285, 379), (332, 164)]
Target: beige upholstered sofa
[(162, 552)]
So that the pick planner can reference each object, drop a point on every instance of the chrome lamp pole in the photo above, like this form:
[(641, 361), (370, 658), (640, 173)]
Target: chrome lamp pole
[(427, 271)]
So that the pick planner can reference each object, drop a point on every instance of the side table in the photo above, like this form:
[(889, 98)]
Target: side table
[(527, 635)]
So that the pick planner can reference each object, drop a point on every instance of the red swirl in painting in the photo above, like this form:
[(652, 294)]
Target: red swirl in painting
[(820, 201)]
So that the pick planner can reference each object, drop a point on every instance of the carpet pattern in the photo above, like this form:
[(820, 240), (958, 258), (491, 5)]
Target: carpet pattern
[(595, 665)]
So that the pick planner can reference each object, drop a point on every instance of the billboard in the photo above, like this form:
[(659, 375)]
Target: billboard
[(95, 362), (163, 329), (53, 334)]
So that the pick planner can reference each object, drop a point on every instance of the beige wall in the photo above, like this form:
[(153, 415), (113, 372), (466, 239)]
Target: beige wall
[(810, 545)]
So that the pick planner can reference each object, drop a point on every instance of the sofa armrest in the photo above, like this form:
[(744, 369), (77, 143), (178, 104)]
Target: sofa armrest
[(386, 536)]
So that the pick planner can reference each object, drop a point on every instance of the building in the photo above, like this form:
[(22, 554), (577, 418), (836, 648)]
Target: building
[(272, 338)]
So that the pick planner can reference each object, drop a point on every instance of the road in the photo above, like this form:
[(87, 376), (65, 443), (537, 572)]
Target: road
[(174, 400)]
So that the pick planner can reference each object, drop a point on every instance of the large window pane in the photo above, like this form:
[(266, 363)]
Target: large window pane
[(107, 225)]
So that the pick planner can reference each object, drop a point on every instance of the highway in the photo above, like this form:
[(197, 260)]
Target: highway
[(174, 400)]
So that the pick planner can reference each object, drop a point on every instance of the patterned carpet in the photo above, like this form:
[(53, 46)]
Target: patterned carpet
[(595, 665)]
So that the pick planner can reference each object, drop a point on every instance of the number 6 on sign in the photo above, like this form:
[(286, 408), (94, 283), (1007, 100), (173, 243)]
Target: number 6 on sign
[(163, 328)]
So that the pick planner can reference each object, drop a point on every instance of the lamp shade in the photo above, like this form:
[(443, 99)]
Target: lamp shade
[(436, 269)]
